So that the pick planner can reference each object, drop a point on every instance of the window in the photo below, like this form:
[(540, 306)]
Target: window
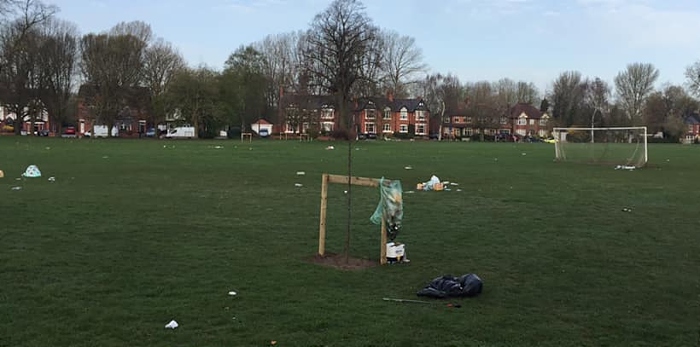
[(469, 120), (522, 121), (542, 133), (387, 113), (521, 132), (543, 121), (327, 113), (532, 122), (420, 129), (290, 128), (327, 126), (305, 128), (386, 128), (420, 115), (403, 128), (446, 120), (369, 114), (468, 132), (369, 128), (504, 120), (404, 113)]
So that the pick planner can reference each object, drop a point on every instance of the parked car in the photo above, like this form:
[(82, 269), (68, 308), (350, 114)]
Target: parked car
[(151, 132), (44, 132), (371, 136), (264, 133), (68, 132)]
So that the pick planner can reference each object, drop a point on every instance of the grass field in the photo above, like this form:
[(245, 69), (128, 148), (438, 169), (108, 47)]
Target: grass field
[(135, 233)]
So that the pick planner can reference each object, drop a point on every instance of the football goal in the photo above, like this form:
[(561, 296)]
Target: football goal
[(611, 146)]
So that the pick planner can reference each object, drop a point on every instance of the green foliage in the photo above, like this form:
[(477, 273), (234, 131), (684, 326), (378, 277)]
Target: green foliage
[(244, 87)]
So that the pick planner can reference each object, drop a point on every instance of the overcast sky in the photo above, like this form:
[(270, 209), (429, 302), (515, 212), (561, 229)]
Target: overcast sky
[(532, 40)]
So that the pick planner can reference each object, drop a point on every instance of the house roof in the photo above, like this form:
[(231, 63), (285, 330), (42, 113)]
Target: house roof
[(261, 121), (692, 119), (529, 110)]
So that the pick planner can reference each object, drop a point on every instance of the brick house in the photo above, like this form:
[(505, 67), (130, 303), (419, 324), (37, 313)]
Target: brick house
[(41, 121), (383, 116), (692, 122), (131, 121), (523, 119), (528, 120)]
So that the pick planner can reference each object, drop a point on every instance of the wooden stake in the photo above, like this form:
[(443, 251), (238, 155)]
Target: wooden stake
[(322, 222), (382, 252)]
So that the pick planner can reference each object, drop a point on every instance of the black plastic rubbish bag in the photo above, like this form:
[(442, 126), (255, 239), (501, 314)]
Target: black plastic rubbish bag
[(449, 286)]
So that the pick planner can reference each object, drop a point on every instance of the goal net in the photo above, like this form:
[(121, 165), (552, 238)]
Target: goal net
[(626, 146)]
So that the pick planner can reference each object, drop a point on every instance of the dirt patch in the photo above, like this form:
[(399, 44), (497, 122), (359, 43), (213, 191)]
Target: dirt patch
[(338, 261)]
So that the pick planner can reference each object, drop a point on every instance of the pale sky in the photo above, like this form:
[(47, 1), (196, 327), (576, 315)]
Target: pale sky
[(531, 40)]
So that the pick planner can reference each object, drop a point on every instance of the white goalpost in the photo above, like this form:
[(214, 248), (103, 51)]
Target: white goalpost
[(625, 146)]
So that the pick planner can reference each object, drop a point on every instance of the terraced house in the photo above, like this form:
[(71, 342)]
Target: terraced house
[(522, 119), (381, 116)]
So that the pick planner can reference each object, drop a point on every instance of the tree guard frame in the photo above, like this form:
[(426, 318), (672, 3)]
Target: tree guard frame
[(356, 181)]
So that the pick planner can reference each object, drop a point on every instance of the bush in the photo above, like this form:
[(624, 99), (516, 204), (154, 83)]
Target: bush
[(233, 132), (313, 133), (402, 136)]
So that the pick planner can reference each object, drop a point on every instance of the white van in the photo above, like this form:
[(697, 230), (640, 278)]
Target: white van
[(181, 133)]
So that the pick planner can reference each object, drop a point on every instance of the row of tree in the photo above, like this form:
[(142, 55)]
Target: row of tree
[(46, 65)]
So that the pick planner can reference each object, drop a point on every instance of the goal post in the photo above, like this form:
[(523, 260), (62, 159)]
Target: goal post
[(611, 145)]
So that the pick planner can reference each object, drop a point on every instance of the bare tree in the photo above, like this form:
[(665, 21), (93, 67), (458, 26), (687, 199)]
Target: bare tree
[(483, 106), (692, 75), (527, 92), (139, 29), (161, 61), (336, 45), (113, 67), (402, 62), (633, 86), (58, 61), (19, 42), (664, 110)]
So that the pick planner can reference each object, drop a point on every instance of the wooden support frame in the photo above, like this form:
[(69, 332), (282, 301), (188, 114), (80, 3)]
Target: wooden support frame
[(356, 181), (248, 135)]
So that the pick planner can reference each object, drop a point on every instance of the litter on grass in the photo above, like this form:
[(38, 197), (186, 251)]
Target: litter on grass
[(52, 179), (16, 188), (435, 184), (172, 325), (2, 174), (625, 167), (301, 173), (232, 293), (330, 148), (32, 171), (298, 185)]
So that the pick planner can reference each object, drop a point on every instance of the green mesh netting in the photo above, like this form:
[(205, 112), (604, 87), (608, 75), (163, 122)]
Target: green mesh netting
[(390, 206)]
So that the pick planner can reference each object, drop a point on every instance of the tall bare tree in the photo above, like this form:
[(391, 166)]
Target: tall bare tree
[(19, 42), (402, 62), (339, 39), (58, 61), (633, 85), (597, 95), (161, 61), (112, 65), (138, 29), (692, 75), (527, 92), (664, 110), (483, 106)]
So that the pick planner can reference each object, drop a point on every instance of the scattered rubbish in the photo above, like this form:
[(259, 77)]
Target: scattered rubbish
[(301, 173), (250, 148), (2, 174), (524, 153), (172, 325), (410, 192), (408, 167), (16, 188), (495, 159), (459, 190), (448, 286), (273, 342), (298, 185), (625, 167), (52, 179), (18, 179), (48, 148), (433, 184), (105, 157), (330, 147), (626, 209), (454, 184), (32, 171), (218, 147), (232, 293), (445, 182), (165, 146), (345, 191)]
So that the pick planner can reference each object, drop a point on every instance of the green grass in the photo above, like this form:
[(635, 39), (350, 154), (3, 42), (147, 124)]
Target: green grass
[(134, 233)]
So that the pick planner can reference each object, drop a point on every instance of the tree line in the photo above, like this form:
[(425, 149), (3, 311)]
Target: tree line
[(47, 65)]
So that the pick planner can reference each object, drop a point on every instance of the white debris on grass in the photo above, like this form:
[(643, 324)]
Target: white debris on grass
[(301, 173), (172, 325), (232, 293), (330, 148), (16, 188), (408, 167), (298, 185), (52, 179), (625, 167)]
